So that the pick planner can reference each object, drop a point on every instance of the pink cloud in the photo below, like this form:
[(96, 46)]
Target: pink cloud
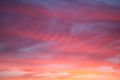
[(13, 73)]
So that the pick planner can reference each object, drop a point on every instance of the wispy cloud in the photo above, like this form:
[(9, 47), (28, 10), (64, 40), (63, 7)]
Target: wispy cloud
[(52, 75), (12, 73), (69, 39)]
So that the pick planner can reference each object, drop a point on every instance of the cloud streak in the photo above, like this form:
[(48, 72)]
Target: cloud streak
[(59, 39)]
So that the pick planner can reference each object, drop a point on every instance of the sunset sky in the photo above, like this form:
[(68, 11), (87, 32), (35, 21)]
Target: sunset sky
[(59, 39)]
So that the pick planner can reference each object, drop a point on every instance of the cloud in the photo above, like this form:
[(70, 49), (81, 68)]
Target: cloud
[(102, 2), (52, 75), (59, 66), (59, 35), (13, 73), (106, 69), (60, 3), (115, 59)]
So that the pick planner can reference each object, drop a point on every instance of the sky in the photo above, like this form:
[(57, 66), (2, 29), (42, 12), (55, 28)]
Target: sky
[(59, 39)]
